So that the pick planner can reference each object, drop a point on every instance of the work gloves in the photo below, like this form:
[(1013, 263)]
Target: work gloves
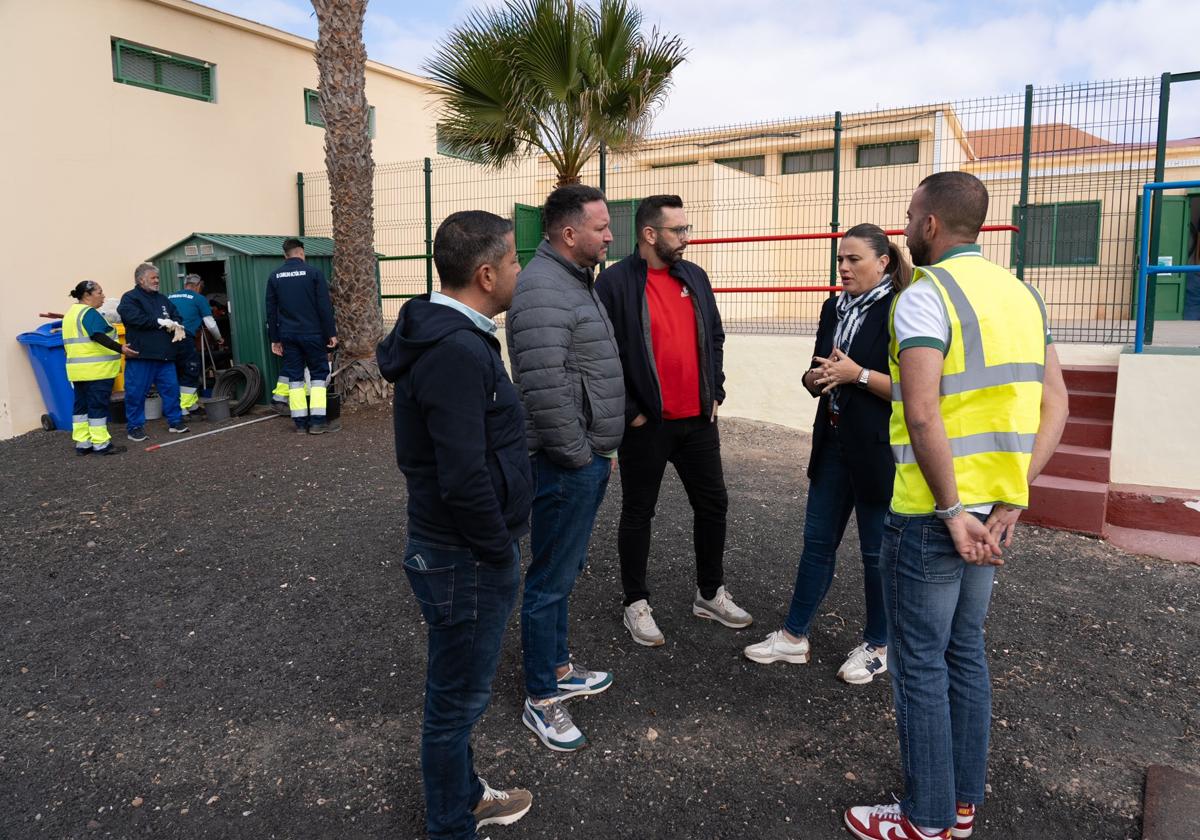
[(174, 327)]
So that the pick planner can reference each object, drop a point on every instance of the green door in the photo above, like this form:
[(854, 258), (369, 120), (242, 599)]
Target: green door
[(527, 231), (1172, 245)]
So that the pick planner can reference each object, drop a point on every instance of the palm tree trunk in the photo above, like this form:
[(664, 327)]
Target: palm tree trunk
[(341, 65)]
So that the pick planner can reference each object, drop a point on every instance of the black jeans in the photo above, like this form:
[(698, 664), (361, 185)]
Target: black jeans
[(694, 447)]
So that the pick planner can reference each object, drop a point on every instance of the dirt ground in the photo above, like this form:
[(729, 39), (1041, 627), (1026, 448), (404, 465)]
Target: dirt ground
[(216, 640)]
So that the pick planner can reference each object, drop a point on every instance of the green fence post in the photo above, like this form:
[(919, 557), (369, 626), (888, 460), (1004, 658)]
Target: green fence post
[(837, 180), (1023, 204), (1160, 166), (300, 198), (603, 167), (428, 226)]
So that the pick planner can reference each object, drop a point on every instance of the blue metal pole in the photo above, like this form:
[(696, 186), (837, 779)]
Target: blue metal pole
[(1143, 258)]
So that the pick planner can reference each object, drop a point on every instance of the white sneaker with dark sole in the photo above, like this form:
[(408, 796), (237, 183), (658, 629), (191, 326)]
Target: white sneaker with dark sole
[(553, 726)]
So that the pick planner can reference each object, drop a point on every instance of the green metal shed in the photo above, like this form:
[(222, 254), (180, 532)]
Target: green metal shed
[(237, 265)]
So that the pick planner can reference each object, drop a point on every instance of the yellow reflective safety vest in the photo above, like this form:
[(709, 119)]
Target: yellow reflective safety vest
[(87, 360), (991, 387)]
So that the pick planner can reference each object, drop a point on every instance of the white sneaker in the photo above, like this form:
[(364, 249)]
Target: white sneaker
[(778, 648), (550, 722), (640, 623), (721, 608), (864, 664)]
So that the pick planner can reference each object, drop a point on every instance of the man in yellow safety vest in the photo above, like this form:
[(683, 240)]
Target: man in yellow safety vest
[(978, 407)]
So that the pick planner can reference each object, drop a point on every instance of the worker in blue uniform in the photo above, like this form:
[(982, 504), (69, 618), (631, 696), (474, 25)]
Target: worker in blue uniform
[(194, 310), (301, 328), (152, 328)]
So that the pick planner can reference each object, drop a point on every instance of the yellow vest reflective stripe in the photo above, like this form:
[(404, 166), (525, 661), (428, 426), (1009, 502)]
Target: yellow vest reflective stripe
[(990, 390), (86, 360)]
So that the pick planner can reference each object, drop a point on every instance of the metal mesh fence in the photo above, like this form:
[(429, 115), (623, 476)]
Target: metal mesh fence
[(1079, 154)]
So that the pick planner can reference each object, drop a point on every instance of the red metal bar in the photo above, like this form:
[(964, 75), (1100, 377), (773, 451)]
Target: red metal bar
[(790, 237), (727, 290)]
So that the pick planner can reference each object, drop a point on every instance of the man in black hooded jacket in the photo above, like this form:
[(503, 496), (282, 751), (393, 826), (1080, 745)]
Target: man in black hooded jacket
[(460, 442)]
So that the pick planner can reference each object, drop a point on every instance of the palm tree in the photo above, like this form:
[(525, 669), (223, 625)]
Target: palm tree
[(341, 66), (552, 76)]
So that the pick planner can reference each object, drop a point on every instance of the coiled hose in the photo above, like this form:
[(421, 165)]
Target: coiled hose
[(245, 378)]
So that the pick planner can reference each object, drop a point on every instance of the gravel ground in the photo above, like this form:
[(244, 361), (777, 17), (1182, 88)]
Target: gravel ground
[(216, 640)]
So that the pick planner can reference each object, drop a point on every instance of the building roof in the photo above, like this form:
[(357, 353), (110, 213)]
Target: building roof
[(1046, 138), (256, 245)]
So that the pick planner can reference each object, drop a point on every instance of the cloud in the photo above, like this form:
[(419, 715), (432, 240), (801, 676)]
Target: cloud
[(292, 16)]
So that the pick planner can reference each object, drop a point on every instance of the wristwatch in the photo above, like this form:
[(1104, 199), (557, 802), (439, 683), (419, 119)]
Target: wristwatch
[(950, 512), (864, 377)]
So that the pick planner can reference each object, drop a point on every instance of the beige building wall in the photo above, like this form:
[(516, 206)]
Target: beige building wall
[(100, 175), (1156, 425)]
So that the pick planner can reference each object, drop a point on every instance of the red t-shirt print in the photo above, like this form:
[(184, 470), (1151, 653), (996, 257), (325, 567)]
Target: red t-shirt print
[(673, 337)]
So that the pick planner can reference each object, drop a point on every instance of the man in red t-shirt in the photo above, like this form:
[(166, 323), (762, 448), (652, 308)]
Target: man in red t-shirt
[(671, 343)]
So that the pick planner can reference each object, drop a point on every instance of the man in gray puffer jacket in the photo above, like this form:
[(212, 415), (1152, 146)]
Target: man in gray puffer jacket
[(565, 363)]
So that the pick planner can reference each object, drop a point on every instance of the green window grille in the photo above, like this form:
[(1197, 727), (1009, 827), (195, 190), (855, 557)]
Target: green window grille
[(146, 67), (1067, 233), (312, 112), (674, 164), (812, 160), (754, 165), (887, 154)]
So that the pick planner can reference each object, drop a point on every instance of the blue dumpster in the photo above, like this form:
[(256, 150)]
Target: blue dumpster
[(49, 360)]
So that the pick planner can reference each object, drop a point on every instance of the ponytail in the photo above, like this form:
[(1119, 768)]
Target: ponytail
[(82, 288), (899, 268)]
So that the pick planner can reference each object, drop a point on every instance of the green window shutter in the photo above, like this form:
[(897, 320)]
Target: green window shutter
[(1062, 234), (754, 165), (887, 154), (814, 160), (1077, 234), (146, 67), (527, 231)]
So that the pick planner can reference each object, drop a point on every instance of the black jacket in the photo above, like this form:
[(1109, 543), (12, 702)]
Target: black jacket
[(460, 431), (863, 420), (622, 288), (140, 311), (298, 304)]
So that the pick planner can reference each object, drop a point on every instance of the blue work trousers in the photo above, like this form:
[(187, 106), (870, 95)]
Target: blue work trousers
[(140, 374)]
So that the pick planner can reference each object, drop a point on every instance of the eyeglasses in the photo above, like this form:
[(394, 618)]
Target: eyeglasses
[(679, 230)]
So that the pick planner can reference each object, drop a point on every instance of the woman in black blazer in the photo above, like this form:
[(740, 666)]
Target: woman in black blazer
[(851, 466)]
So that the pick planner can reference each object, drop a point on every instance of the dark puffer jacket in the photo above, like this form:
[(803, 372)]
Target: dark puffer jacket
[(565, 361)]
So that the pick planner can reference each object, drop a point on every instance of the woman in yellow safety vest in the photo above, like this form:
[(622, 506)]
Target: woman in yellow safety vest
[(93, 362)]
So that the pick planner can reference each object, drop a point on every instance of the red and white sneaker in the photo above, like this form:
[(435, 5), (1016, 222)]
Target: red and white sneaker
[(964, 821), (886, 822)]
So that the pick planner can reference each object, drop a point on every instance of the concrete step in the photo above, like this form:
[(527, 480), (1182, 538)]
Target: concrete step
[(1098, 405), (1067, 503), (1177, 548), (1088, 431), (1086, 463), (1165, 509), (1091, 378)]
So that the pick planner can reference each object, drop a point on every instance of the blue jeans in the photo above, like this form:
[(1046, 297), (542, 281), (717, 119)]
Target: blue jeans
[(140, 374), (466, 604), (564, 509), (830, 501), (936, 606)]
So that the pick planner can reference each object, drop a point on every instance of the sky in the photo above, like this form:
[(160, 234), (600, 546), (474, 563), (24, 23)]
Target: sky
[(758, 60)]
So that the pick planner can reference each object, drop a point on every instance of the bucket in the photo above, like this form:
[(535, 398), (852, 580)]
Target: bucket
[(215, 409), (333, 407), (153, 407)]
